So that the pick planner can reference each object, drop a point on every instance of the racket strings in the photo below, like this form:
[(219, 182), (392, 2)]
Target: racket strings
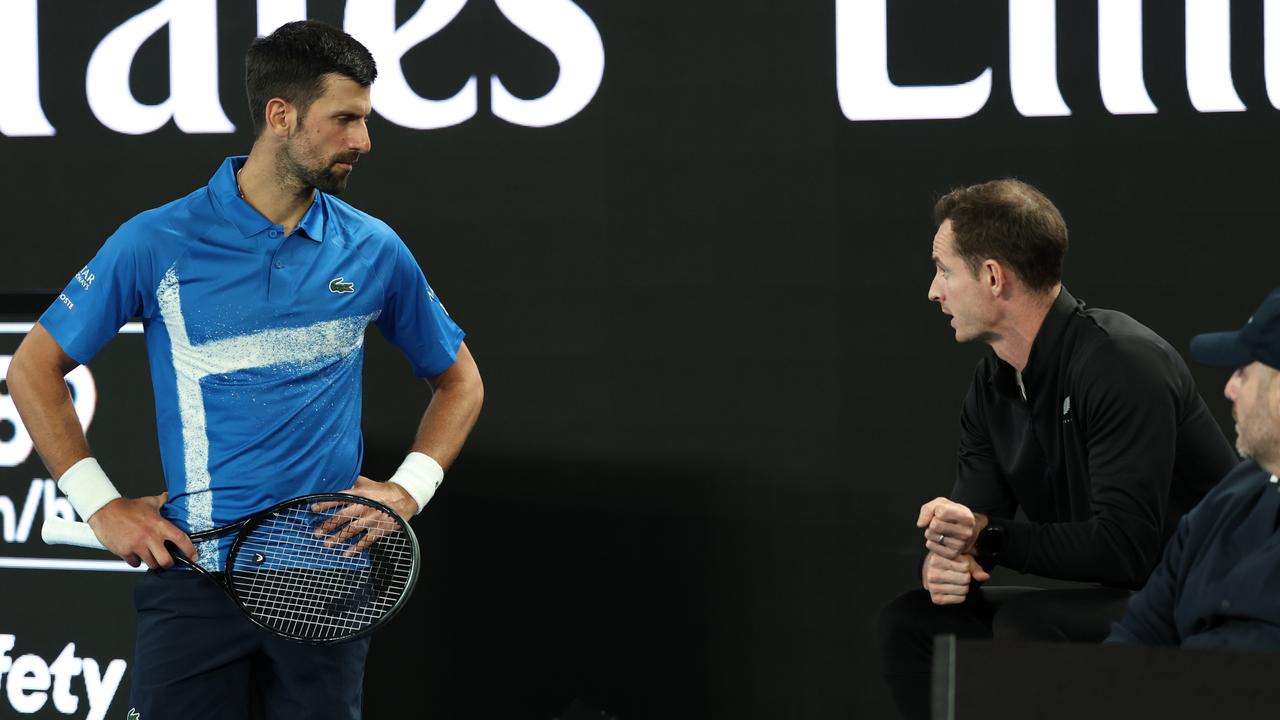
[(311, 586)]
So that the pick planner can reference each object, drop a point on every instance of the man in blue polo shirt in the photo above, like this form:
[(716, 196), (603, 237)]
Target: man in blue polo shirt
[(254, 292)]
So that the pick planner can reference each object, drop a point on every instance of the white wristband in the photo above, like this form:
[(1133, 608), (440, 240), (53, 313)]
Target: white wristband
[(419, 475), (87, 487)]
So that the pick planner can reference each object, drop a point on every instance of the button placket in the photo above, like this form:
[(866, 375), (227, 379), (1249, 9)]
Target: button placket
[(278, 282)]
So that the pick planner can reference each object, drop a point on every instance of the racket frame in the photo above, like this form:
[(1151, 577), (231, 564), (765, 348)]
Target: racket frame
[(64, 532), (241, 527)]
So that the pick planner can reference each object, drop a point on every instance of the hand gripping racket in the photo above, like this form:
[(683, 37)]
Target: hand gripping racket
[(318, 569)]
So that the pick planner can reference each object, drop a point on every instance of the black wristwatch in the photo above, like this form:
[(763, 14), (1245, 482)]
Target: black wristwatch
[(992, 540)]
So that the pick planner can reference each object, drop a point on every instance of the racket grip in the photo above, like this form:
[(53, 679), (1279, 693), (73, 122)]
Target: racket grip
[(57, 531)]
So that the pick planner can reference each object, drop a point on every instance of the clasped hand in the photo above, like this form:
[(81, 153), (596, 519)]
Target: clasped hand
[(950, 531)]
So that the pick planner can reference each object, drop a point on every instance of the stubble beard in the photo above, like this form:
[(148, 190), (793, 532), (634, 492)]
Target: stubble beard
[(971, 335), (1259, 441), (1258, 437), (323, 176)]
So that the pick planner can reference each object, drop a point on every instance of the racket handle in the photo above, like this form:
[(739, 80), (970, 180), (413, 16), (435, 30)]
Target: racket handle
[(57, 531)]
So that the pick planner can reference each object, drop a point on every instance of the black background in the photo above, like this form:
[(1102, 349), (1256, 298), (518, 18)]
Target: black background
[(716, 391)]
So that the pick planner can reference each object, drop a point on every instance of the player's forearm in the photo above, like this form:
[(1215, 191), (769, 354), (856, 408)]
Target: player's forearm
[(453, 411), (40, 393)]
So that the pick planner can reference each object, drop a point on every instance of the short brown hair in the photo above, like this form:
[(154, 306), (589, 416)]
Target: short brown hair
[(1010, 221), (291, 63)]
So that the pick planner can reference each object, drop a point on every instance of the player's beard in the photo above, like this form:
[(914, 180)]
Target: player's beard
[(322, 175)]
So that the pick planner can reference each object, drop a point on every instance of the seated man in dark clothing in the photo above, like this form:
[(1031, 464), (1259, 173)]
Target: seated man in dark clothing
[(1083, 419), (1218, 585)]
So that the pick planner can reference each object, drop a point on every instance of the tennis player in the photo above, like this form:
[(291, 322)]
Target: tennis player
[(255, 292)]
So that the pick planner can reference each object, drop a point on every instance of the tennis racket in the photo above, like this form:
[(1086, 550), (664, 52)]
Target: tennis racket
[(318, 569)]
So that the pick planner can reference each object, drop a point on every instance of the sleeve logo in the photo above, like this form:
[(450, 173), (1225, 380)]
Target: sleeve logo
[(340, 286), (85, 277)]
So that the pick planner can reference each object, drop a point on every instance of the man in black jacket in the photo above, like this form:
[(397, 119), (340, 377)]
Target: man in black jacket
[(1083, 419), (1217, 585)]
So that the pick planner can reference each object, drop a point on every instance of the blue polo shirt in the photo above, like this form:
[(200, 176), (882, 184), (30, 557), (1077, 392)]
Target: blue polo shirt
[(255, 340)]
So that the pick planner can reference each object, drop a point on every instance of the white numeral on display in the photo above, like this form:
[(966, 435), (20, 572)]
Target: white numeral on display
[(15, 442)]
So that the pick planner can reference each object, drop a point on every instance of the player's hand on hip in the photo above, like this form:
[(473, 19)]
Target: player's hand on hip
[(948, 581), (156, 501), (392, 495), (364, 523), (950, 529), (135, 531)]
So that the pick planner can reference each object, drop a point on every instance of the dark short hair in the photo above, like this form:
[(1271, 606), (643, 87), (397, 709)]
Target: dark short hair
[(1009, 221), (291, 63)]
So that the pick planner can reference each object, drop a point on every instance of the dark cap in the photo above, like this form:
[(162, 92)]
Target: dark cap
[(1259, 340)]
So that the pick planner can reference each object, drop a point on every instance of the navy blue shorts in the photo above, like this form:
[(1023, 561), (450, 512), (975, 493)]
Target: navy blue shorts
[(198, 657)]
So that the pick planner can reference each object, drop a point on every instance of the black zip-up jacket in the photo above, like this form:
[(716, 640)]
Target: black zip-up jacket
[(1111, 447)]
